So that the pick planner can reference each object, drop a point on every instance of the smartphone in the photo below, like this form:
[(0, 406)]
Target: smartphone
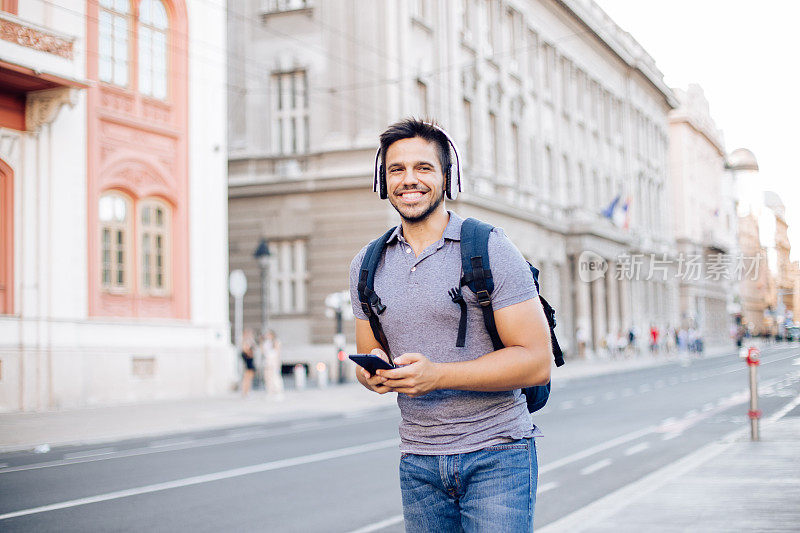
[(370, 362)]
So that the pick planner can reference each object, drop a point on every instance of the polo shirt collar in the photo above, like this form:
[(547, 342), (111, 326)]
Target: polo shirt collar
[(451, 232)]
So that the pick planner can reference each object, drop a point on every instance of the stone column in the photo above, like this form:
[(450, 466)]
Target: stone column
[(613, 299), (582, 310), (565, 310), (599, 312), (624, 287)]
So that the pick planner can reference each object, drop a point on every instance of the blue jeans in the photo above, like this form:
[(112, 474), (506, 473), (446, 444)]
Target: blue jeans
[(493, 489)]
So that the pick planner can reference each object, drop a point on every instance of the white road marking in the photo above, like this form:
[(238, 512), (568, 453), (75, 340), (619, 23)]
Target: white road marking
[(170, 442), (541, 489), (247, 432), (642, 446), (673, 435), (609, 395), (380, 525), (644, 388), (708, 407), (307, 425), (627, 392), (599, 465), (569, 404), (208, 478), (89, 453), (588, 452), (3, 465), (589, 400)]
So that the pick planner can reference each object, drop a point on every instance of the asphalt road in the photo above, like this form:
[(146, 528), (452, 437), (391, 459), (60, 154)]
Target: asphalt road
[(340, 474)]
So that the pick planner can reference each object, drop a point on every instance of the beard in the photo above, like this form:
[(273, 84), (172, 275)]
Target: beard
[(412, 218)]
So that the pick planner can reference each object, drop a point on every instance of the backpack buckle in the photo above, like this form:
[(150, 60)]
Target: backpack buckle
[(375, 301), (483, 298)]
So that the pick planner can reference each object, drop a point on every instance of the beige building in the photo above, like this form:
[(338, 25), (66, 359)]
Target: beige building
[(770, 297), (557, 113), (754, 289), (782, 270), (703, 218)]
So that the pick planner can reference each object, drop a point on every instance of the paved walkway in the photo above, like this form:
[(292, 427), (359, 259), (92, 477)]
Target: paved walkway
[(730, 485)]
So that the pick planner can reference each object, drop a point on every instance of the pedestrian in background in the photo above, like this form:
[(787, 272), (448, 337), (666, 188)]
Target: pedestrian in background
[(682, 339), (271, 348), (248, 358), (622, 344), (653, 338), (670, 339), (583, 339), (468, 458), (632, 341)]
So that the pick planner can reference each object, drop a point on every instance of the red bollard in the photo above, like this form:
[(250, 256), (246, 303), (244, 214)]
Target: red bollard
[(754, 413)]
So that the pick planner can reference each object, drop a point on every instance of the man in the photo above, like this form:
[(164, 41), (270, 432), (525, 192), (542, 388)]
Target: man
[(468, 458)]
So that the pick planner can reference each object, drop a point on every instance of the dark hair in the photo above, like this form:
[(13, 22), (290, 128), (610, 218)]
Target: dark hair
[(410, 128)]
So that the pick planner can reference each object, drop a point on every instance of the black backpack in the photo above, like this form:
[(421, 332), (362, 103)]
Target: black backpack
[(477, 275)]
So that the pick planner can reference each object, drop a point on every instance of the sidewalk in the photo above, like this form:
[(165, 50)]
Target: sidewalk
[(20, 431), (729, 485), (91, 425)]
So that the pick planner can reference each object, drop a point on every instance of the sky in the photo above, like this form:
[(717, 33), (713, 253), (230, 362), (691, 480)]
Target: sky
[(743, 53)]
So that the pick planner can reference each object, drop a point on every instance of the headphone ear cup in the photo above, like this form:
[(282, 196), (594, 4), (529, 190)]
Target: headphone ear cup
[(448, 183), (384, 194)]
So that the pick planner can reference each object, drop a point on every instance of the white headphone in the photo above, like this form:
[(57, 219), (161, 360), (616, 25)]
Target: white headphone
[(379, 178)]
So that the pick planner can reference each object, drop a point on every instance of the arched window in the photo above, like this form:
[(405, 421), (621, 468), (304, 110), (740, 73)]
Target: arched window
[(153, 26), (113, 44), (115, 222), (154, 231)]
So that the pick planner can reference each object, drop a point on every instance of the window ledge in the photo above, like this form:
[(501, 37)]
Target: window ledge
[(416, 21), (268, 14), (115, 292)]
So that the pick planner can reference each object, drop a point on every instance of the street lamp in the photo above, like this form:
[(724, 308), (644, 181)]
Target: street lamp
[(262, 256)]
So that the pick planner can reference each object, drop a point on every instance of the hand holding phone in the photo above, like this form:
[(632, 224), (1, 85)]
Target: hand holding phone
[(371, 362)]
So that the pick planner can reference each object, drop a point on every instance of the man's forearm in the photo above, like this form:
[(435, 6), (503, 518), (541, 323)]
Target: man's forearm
[(510, 368)]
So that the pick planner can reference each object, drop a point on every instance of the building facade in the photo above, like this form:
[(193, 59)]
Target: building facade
[(112, 155), (703, 218), (559, 116)]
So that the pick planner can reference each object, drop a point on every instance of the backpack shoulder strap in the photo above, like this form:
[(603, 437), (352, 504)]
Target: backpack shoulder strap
[(370, 301), (550, 314), (478, 272)]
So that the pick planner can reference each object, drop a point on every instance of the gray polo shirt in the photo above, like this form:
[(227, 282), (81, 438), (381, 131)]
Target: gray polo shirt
[(420, 317)]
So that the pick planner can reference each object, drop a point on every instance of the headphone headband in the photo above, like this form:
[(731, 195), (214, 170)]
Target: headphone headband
[(379, 179)]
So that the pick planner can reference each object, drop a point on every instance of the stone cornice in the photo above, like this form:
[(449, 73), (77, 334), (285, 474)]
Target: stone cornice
[(15, 30)]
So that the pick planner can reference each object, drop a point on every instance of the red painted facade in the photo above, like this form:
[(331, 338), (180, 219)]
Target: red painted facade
[(139, 146)]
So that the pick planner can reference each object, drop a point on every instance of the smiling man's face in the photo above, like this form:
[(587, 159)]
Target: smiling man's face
[(414, 178)]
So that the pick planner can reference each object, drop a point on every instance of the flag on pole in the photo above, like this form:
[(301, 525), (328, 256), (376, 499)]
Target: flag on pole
[(608, 212), (626, 210)]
